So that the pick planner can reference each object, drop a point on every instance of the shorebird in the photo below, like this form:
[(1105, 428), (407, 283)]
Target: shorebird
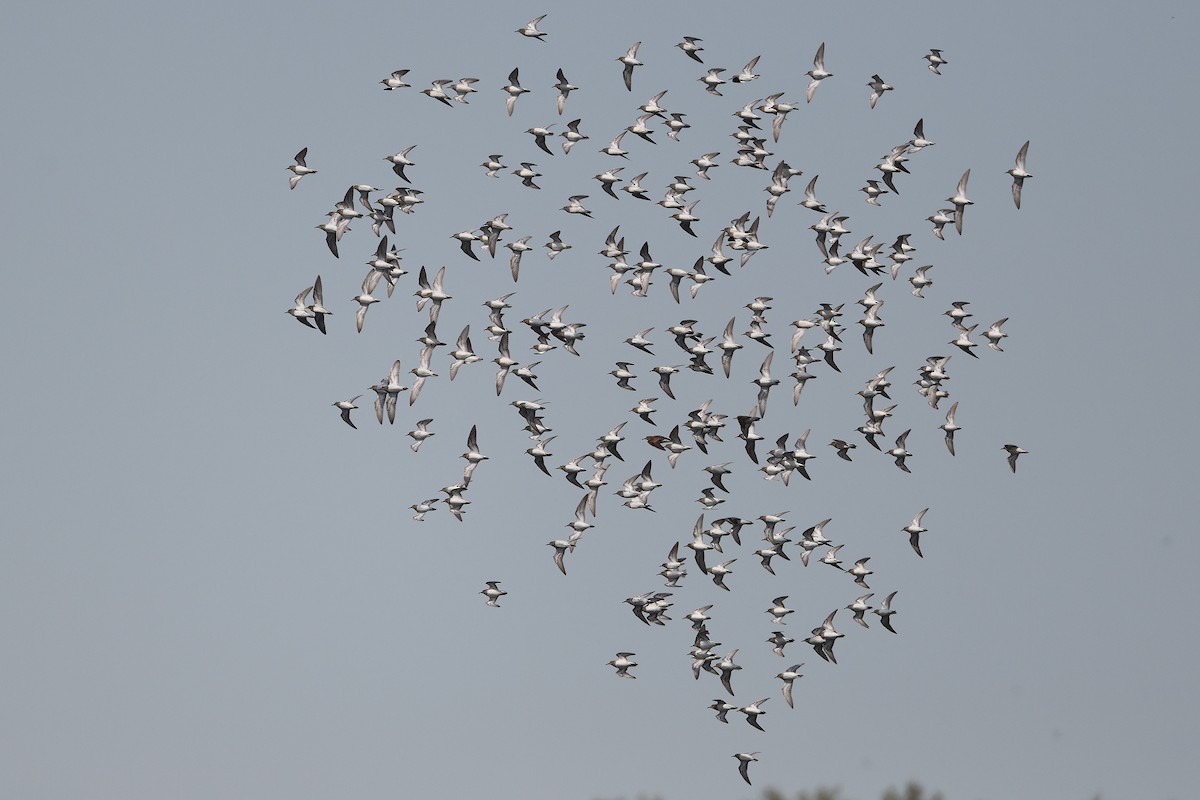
[(493, 593), (346, 407), (513, 90), (630, 61), (886, 613), (1018, 173), (395, 80), (531, 29), (789, 676), (712, 80), (878, 87), (914, 531), (753, 712), (960, 201), (817, 73), (622, 663), (744, 760), (949, 427), (300, 169), (690, 48), (1013, 452), (934, 57)]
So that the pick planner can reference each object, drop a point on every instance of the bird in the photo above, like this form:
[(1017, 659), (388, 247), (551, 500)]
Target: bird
[(722, 708), (914, 531), (949, 427), (561, 548), (622, 663), (994, 335), (886, 613), (859, 607), (399, 161), (878, 87), (691, 49), (899, 452), (493, 593), (843, 448), (364, 299), (712, 80), (630, 61), (564, 88), (753, 712), (789, 676), (1014, 451), (1018, 173), (744, 760), (530, 30), (301, 168), (960, 201), (438, 91), (860, 571), (747, 73), (539, 135), (572, 135), (817, 73), (777, 610), (493, 165), (513, 90), (346, 407), (395, 81), (420, 434), (934, 57)]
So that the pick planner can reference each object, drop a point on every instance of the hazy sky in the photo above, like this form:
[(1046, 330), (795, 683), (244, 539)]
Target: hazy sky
[(211, 587)]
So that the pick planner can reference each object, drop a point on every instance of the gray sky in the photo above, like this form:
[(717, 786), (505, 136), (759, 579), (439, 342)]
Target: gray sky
[(211, 587)]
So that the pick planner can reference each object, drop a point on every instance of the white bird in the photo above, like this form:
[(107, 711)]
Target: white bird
[(420, 434), (994, 335), (788, 676), (513, 90), (301, 168), (493, 593), (365, 299), (395, 80), (886, 613), (934, 57), (914, 531), (690, 48), (860, 607), (518, 247), (493, 165), (949, 427), (531, 29), (630, 61), (753, 712), (920, 280), (744, 760), (960, 201), (712, 80), (747, 74), (438, 91), (572, 135), (622, 663), (1013, 452), (878, 87), (1018, 173), (899, 452), (817, 73), (346, 406)]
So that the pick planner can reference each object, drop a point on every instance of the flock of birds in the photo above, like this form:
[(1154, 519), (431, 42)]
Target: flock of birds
[(551, 329)]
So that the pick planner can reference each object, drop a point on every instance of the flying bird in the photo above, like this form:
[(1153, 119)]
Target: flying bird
[(630, 61), (531, 29), (301, 168), (1018, 173)]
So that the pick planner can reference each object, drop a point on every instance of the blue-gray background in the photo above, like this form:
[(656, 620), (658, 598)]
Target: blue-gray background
[(211, 587)]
